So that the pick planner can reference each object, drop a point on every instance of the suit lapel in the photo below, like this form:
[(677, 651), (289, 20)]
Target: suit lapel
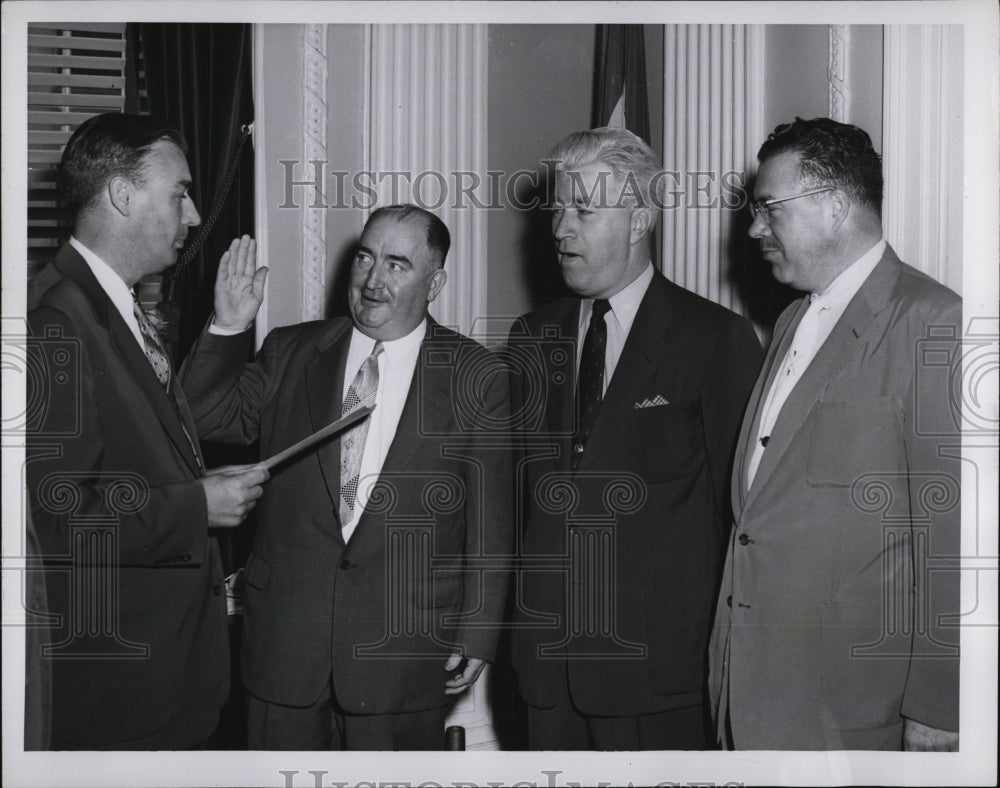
[(780, 343), (427, 409), (561, 400), (851, 333), (324, 386), (640, 359), (125, 346)]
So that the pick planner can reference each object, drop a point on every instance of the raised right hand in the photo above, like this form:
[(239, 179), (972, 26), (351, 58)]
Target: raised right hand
[(231, 492), (239, 285)]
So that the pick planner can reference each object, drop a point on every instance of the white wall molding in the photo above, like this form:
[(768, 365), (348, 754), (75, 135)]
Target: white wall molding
[(426, 111), (314, 149), (426, 118), (839, 94), (713, 123), (257, 139), (922, 135)]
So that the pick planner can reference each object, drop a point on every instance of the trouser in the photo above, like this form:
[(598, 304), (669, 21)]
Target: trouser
[(325, 726)]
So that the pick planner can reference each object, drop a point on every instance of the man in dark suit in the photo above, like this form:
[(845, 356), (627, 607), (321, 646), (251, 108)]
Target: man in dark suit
[(120, 501), (625, 472), (375, 585), (837, 621)]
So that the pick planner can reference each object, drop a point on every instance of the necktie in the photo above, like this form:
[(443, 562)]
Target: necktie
[(152, 345), (590, 383), (352, 444)]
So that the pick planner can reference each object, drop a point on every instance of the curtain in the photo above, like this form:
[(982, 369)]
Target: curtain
[(198, 79), (620, 92), (621, 97)]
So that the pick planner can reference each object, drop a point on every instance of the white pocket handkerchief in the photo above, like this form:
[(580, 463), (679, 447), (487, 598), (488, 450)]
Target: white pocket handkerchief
[(655, 402)]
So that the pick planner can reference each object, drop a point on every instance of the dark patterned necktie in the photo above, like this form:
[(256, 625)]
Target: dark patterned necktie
[(590, 383), (152, 345), (352, 444)]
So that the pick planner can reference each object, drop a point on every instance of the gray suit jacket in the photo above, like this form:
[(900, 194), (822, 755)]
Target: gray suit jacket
[(832, 622), (424, 571)]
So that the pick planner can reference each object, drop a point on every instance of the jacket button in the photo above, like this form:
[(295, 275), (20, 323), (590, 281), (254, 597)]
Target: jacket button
[(578, 448), (345, 564), (217, 589), (729, 600), (744, 540)]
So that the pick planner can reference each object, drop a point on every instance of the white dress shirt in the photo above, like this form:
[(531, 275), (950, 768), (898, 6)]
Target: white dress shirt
[(624, 306), (825, 309), (113, 285), (395, 373)]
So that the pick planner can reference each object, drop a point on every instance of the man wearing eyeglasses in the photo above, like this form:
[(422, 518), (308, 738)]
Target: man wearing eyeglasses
[(832, 627)]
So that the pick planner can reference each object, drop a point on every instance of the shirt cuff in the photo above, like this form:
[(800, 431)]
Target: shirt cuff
[(224, 332)]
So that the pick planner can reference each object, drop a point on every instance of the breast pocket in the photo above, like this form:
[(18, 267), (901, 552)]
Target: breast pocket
[(666, 441), (853, 438)]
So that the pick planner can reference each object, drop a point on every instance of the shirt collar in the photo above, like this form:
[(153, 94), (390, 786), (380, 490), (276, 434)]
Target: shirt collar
[(625, 303), (395, 349), (106, 276), (849, 281)]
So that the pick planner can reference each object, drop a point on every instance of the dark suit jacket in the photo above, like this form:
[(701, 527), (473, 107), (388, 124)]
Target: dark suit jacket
[(113, 478), (380, 613), (825, 636), (654, 477)]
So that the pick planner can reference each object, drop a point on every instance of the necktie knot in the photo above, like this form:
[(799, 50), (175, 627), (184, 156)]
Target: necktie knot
[(601, 307)]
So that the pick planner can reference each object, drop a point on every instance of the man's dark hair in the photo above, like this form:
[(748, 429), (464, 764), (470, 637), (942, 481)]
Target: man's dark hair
[(831, 154), (438, 237), (106, 146)]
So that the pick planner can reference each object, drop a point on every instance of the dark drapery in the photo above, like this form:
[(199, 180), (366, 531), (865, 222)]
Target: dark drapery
[(198, 79), (620, 76), (621, 67)]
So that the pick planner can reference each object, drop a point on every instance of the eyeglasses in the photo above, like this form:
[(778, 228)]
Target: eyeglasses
[(762, 208)]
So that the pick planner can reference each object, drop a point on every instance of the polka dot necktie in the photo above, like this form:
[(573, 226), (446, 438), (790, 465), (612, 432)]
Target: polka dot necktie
[(151, 344), (352, 444), (590, 383)]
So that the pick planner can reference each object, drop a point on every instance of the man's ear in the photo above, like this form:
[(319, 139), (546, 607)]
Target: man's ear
[(120, 193), (840, 207), (642, 223), (438, 278)]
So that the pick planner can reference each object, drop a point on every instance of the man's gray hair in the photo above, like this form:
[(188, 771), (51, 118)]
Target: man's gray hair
[(633, 163)]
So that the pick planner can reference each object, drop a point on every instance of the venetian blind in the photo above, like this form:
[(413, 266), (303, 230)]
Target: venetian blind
[(75, 71)]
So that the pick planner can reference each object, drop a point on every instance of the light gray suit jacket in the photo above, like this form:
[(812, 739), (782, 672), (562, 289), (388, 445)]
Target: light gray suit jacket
[(832, 622)]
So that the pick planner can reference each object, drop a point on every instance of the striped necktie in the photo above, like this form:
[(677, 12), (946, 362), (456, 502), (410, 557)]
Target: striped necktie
[(152, 345), (352, 445)]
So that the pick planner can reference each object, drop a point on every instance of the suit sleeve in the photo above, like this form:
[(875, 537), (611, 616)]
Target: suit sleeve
[(732, 372), (226, 394), (72, 474), (931, 695), (489, 515)]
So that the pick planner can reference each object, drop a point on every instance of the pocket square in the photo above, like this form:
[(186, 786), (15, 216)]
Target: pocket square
[(655, 402)]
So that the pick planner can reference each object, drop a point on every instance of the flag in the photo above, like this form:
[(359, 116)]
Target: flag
[(621, 99)]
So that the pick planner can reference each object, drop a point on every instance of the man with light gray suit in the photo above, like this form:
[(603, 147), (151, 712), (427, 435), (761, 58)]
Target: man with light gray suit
[(835, 623)]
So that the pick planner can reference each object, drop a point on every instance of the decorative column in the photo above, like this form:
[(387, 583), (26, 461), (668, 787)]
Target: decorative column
[(840, 37), (426, 144), (713, 123), (922, 134), (314, 158)]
